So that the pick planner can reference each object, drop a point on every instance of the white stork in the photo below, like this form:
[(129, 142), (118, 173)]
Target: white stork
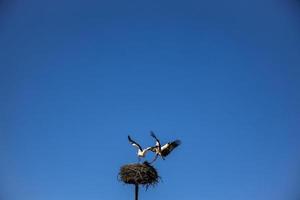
[(141, 152), (164, 150), (157, 148)]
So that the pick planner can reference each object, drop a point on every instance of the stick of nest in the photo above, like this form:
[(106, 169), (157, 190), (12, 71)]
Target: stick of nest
[(139, 174)]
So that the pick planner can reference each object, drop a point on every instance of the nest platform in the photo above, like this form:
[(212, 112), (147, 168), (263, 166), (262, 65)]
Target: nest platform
[(139, 174)]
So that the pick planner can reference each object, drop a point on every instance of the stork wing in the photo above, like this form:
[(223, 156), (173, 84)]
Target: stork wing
[(168, 148), (157, 140), (153, 149), (134, 143)]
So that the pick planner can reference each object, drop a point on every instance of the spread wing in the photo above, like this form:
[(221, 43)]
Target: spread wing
[(169, 147), (156, 139), (135, 144)]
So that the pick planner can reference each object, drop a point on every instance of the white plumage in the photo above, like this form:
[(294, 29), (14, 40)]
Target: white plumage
[(141, 153)]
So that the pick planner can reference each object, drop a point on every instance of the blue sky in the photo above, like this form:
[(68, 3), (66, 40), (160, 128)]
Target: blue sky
[(76, 77)]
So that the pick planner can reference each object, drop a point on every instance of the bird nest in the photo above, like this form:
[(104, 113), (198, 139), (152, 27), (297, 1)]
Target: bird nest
[(139, 174)]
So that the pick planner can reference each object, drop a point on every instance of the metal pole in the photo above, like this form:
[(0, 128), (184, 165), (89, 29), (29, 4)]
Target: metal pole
[(136, 192)]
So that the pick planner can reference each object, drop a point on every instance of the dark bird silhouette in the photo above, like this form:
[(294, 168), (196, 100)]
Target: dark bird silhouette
[(164, 150)]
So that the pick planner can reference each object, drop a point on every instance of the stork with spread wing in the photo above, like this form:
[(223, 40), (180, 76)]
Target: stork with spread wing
[(164, 150), (141, 153)]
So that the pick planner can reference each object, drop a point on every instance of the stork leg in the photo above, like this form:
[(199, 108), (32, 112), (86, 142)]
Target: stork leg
[(156, 156)]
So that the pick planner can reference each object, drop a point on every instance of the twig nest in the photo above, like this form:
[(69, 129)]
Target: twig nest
[(139, 174)]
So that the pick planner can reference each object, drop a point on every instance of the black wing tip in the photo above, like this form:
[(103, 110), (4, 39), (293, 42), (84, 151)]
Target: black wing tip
[(177, 142), (152, 134)]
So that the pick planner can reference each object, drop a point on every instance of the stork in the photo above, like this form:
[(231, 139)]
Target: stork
[(141, 152), (157, 148), (164, 150)]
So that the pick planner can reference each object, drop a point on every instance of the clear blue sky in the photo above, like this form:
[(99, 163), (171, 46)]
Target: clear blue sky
[(76, 77)]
